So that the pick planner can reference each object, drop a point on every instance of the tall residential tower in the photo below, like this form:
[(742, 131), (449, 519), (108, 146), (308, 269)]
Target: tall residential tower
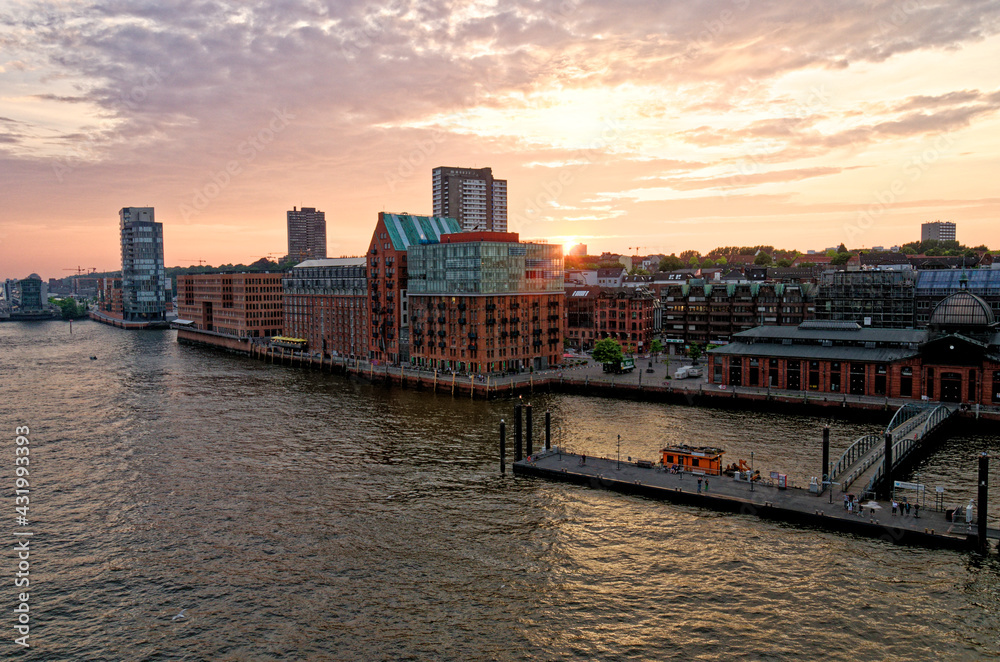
[(938, 231), (472, 197), (306, 234), (143, 279)]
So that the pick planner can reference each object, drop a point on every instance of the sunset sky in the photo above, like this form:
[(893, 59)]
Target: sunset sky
[(629, 126)]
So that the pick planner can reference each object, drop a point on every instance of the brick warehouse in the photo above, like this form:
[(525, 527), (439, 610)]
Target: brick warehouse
[(326, 303), (957, 359), (485, 302)]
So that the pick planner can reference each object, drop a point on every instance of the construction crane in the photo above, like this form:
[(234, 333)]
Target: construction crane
[(636, 249), (80, 271), (198, 260), (270, 256)]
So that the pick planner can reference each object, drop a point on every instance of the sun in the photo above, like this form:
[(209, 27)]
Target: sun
[(568, 244)]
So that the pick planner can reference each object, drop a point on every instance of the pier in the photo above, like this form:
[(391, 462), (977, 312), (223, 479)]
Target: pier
[(763, 499), (866, 463)]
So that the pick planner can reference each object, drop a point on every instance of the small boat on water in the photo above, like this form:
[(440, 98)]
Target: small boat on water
[(701, 459)]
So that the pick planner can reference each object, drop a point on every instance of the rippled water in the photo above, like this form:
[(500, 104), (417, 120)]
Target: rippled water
[(297, 516)]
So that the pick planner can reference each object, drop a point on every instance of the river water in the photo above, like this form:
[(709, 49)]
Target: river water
[(299, 516)]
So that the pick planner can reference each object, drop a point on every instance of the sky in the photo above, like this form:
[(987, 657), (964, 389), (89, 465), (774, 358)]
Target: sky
[(630, 126)]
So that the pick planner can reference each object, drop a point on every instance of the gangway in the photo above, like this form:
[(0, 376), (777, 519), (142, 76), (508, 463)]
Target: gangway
[(864, 460)]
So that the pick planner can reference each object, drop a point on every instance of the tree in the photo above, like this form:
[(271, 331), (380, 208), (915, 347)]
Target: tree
[(763, 260), (695, 351), (708, 264), (671, 263), (841, 259), (689, 255), (784, 262), (638, 271), (656, 347), (607, 350), (842, 248), (721, 262)]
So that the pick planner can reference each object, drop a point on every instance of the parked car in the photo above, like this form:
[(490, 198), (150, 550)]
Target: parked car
[(682, 373), (695, 371)]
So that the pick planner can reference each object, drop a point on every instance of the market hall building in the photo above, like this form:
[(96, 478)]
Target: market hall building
[(955, 359)]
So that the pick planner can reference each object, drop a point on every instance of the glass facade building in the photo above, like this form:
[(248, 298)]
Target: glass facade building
[(143, 279)]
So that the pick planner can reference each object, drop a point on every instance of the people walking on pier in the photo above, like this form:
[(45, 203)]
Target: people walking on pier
[(894, 506), (916, 510), (583, 459), (699, 485), (907, 508), (706, 483)]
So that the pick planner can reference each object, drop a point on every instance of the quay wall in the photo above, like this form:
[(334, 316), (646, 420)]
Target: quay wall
[(822, 406)]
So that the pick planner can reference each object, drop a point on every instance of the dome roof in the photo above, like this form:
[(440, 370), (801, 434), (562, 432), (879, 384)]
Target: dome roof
[(962, 308), (33, 277)]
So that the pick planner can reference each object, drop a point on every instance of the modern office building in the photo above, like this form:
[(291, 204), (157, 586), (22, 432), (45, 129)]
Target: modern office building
[(143, 279), (873, 299), (938, 231), (394, 235), (326, 304), (32, 294), (306, 234), (471, 196), (238, 305), (485, 302)]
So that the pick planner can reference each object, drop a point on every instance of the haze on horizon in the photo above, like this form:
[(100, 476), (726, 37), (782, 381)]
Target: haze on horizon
[(658, 125)]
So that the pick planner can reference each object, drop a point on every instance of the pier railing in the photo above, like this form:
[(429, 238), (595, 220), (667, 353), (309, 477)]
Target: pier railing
[(913, 431), (855, 460)]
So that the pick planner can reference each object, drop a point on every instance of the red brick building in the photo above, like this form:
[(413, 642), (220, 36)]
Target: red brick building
[(242, 305), (389, 329), (957, 359), (484, 302), (326, 303), (626, 314)]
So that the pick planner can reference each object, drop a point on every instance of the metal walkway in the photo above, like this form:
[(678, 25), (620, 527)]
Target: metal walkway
[(862, 466)]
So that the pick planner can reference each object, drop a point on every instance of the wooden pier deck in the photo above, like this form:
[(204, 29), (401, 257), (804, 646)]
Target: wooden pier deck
[(796, 505)]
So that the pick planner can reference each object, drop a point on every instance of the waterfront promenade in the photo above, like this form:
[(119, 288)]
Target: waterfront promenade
[(764, 499)]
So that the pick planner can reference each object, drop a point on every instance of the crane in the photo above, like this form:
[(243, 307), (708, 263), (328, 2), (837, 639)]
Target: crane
[(636, 249), (198, 260), (80, 271)]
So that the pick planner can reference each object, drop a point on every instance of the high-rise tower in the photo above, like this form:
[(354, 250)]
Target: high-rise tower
[(472, 197), (306, 234), (143, 279)]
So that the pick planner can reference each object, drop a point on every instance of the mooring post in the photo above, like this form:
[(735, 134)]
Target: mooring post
[(887, 472), (503, 447), (984, 481), (826, 459), (517, 433), (548, 431), (529, 449)]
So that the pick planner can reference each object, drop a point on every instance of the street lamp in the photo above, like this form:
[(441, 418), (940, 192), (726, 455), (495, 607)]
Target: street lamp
[(619, 451)]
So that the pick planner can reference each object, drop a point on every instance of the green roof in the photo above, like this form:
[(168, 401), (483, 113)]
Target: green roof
[(406, 230)]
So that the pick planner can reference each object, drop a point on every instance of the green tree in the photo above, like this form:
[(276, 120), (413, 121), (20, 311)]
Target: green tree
[(784, 262), (763, 260), (656, 347), (689, 255), (721, 262), (841, 259), (695, 351), (671, 263), (708, 264), (638, 271), (607, 350), (842, 248)]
